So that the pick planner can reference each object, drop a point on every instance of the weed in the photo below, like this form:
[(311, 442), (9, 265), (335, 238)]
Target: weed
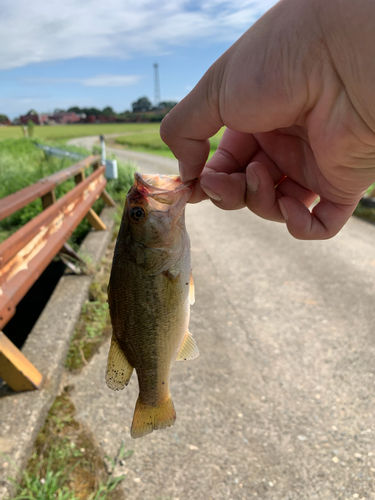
[(93, 326), (65, 464)]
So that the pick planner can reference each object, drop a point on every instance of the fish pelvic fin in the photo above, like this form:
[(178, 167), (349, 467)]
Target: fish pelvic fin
[(119, 370), (189, 348), (148, 418)]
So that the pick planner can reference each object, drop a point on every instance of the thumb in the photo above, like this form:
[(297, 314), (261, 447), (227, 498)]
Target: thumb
[(251, 88), (188, 126)]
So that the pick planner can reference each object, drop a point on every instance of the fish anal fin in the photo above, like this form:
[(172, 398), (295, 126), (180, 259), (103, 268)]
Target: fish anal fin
[(119, 370), (189, 348), (149, 418), (191, 290)]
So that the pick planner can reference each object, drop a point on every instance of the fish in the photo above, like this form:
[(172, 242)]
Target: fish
[(150, 292)]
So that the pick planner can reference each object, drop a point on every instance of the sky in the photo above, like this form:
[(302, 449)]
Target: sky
[(58, 54)]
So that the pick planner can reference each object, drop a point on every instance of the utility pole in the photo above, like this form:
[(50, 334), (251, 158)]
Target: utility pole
[(156, 85)]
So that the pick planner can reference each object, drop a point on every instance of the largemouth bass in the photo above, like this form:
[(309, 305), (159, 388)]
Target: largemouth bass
[(149, 295)]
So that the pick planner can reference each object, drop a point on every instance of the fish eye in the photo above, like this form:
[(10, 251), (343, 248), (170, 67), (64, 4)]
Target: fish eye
[(137, 214)]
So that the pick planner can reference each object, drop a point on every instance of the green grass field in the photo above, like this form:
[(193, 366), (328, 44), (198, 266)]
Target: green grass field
[(65, 132), (150, 142)]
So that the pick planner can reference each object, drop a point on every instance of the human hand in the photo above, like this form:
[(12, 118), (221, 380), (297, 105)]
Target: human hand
[(296, 95)]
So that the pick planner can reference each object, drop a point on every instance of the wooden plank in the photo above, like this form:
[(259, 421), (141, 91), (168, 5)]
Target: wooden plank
[(107, 199), (95, 220), (16, 369), (20, 199)]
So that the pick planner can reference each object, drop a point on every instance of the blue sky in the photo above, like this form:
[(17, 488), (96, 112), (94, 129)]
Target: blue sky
[(92, 53)]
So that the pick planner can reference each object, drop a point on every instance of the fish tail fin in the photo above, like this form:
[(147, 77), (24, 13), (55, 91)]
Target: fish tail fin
[(148, 418)]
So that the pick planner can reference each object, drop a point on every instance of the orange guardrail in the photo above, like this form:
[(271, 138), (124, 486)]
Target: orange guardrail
[(27, 252)]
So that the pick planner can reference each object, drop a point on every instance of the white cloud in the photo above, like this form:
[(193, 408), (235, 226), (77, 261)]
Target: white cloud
[(94, 81), (110, 81), (40, 31)]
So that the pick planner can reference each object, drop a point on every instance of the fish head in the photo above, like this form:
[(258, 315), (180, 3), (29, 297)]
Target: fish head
[(155, 218)]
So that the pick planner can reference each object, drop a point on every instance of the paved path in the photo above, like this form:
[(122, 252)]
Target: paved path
[(280, 403), (145, 162)]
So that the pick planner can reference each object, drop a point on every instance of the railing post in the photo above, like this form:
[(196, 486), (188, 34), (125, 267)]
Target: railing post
[(16, 369), (102, 144)]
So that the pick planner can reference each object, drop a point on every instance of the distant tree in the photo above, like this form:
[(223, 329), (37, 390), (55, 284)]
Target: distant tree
[(167, 104), (75, 109), (91, 111), (108, 112), (4, 119), (143, 104), (31, 112)]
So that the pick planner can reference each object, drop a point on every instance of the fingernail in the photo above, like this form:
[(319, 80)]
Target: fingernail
[(252, 181), (283, 210), (211, 194)]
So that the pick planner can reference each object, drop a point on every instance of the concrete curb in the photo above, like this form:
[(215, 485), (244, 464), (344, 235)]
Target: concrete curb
[(22, 415)]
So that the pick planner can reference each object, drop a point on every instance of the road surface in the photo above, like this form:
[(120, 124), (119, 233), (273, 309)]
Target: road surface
[(280, 403)]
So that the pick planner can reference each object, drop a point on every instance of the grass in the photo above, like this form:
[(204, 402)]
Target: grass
[(66, 464), (65, 132), (150, 142)]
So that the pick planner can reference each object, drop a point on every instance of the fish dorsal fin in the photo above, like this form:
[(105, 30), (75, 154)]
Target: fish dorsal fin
[(119, 370), (192, 290), (189, 348)]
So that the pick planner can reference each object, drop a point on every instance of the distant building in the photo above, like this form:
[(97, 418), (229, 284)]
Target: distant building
[(61, 117), (65, 117)]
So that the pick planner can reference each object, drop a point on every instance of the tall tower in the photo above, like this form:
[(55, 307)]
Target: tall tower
[(156, 85)]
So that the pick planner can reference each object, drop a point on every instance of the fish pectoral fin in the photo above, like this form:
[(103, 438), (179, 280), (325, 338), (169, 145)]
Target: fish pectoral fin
[(119, 370), (149, 418), (189, 348), (191, 290)]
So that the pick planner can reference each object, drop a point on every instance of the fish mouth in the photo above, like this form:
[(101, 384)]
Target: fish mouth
[(157, 184), (164, 189)]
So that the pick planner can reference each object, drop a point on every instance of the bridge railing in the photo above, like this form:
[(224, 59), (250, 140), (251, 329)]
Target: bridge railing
[(27, 252)]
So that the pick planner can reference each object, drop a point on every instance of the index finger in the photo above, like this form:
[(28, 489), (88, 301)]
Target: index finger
[(188, 126)]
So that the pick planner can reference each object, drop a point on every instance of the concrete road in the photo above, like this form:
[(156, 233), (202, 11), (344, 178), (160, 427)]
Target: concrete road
[(280, 403), (143, 161)]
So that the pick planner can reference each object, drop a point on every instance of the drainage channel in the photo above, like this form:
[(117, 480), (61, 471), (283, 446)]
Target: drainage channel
[(32, 305), (30, 308)]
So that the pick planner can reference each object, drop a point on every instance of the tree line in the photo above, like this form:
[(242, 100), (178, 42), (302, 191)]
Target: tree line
[(142, 110)]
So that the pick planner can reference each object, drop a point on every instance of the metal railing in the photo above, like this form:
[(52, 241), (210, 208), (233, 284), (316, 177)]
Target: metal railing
[(59, 153)]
